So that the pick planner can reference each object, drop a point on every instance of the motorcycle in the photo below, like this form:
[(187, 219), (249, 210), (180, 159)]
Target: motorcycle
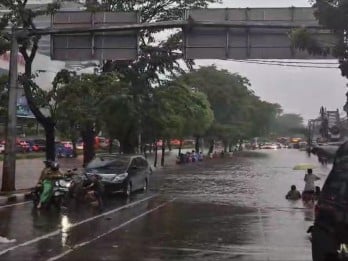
[(81, 193), (60, 193)]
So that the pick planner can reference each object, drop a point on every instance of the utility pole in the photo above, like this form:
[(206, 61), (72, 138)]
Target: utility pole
[(9, 164)]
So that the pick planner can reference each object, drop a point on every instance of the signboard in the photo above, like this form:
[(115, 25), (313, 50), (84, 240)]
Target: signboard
[(94, 46), (23, 110), (238, 40)]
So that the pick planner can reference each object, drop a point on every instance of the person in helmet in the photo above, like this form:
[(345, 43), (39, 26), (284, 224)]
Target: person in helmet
[(44, 172), (50, 173)]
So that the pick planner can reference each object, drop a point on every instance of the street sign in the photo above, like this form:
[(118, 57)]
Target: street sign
[(98, 45), (251, 33)]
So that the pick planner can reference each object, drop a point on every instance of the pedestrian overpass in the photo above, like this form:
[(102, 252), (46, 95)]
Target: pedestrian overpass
[(229, 33), (250, 33), (232, 33)]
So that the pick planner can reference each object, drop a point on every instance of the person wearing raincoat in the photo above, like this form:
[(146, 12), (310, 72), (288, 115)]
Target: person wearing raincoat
[(48, 174)]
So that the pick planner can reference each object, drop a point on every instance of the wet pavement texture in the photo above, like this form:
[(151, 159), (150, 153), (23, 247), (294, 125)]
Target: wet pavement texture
[(223, 209)]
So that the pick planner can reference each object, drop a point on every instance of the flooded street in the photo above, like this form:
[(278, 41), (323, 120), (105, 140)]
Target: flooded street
[(222, 209)]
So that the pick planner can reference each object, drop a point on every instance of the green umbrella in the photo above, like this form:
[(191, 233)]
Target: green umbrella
[(304, 166)]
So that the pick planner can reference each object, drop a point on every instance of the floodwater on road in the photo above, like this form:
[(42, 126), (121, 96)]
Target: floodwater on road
[(222, 209)]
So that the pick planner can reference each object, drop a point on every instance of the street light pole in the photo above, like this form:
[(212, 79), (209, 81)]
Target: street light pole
[(9, 164)]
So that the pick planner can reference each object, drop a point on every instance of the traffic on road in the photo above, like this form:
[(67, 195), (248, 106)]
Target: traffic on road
[(219, 209)]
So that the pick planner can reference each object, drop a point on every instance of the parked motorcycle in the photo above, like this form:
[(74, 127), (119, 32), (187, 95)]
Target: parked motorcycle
[(82, 193)]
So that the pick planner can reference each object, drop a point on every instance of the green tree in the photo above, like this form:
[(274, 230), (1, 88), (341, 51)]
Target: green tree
[(81, 108), (201, 117), (155, 59), (238, 112), (288, 124), (118, 113), (333, 15), (19, 16), (176, 112)]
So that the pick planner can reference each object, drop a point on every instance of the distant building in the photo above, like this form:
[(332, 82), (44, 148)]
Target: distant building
[(328, 127)]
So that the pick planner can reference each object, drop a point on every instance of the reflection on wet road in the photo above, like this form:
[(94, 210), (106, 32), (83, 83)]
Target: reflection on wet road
[(231, 209)]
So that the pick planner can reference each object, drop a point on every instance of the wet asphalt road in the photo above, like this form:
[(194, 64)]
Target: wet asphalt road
[(231, 209)]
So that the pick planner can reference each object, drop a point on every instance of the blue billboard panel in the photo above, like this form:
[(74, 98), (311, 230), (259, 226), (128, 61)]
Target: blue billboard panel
[(23, 110)]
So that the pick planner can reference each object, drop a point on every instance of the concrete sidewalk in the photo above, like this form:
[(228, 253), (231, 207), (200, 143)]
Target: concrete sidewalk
[(28, 172)]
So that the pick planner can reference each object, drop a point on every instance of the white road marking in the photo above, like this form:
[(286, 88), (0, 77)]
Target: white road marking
[(16, 204), (207, 251), (58, 231), (77, 246)]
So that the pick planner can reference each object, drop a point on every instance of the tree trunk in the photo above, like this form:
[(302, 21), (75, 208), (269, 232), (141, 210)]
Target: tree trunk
[(163, 151), (47, 122), (169, 145), (111, 141), (240, 145), (88, 137), (211, 147), (180, 147), (50, 143), (74, 148), (127, 147), (128, 143), (197, 144), (156, 149)]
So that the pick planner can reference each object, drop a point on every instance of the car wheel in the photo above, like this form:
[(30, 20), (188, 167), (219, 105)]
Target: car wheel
[(323, 246), (145, 186), (128, 189)]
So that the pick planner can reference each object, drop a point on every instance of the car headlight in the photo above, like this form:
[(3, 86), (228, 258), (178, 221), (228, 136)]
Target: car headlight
[(120, 177)]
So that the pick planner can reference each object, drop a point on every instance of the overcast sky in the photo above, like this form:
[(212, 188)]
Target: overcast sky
[(298, 90)]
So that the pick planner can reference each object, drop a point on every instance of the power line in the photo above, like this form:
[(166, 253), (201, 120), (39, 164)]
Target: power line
[(286, 65)]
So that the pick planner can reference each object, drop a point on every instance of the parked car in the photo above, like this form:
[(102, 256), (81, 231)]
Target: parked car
[(121, 173), (79, 145), (101, 143), (41, 143), (2, 148), (63, 151), (330, 229), (33, 146), (67, 144), (23, 145), (272, 146)]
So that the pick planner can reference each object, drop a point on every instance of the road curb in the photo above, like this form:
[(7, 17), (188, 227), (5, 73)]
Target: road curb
[(14, 198)]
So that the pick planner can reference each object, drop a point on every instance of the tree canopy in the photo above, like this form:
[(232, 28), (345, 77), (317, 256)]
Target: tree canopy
[(238, 112), (288, 124), (333, 15)]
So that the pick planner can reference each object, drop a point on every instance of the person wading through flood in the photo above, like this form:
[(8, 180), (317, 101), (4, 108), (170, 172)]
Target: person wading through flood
[(293, 194), (309, 189)]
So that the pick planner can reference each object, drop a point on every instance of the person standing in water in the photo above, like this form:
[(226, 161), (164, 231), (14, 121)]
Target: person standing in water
[(309, 189)]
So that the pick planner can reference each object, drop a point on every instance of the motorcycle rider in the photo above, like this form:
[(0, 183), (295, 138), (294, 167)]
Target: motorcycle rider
[(48, 175), (44, 172)]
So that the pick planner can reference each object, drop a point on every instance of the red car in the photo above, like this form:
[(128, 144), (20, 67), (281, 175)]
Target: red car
[(24, 145), (33, 146)]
